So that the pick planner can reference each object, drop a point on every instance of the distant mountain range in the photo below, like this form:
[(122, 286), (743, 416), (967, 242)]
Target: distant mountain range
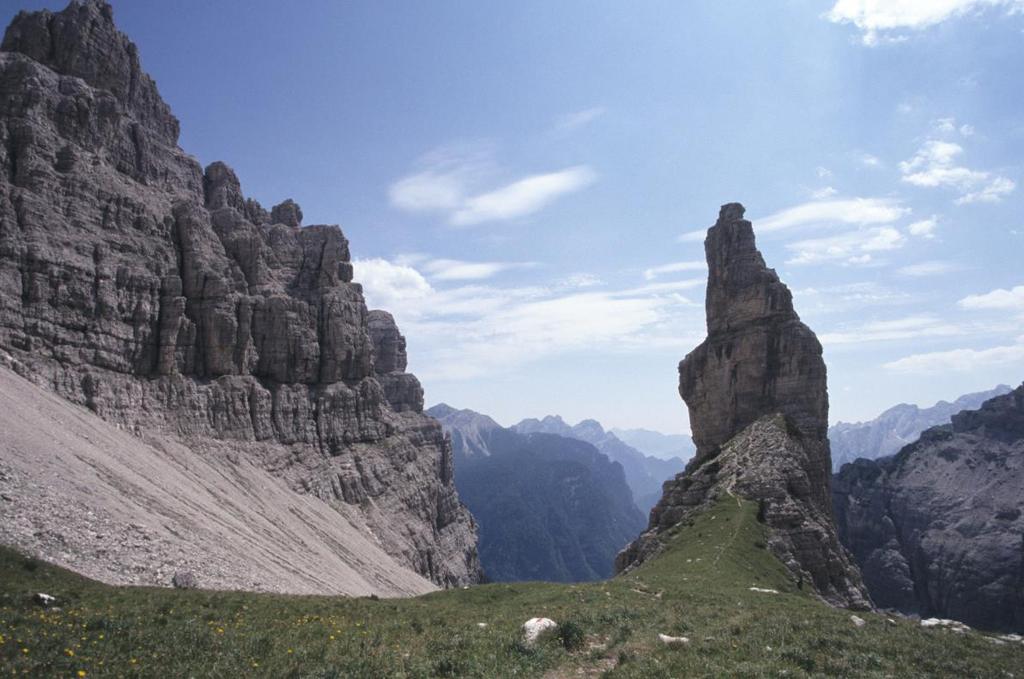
[(897, 427), (645, 474), (548, 507), (656, 444)]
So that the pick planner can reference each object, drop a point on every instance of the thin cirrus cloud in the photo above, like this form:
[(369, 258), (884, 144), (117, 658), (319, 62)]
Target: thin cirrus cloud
[(936, 164), (845, 211), (884, 21), (960, 360), (458, 270), (930, 268), (449, 185), (857, 247), (909, 327), (675, 267), (578, 119)]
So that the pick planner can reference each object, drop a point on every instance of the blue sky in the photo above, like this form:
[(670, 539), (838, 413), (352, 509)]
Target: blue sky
[(521, 182)]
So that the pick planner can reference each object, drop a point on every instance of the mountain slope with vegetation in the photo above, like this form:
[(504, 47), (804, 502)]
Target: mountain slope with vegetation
[(699, 587)]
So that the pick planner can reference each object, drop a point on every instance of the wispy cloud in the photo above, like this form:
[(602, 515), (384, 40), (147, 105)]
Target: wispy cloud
[(1001, 299), (475, 330), (930, 268), (451, 184), (936, 165), (823, 193), (962, 360), (882, 21), (577, 119), (830, 299), (908, 327), (859, 211), (457, 270), (675, 267), (856, 247), (924, 228), (522, 197)]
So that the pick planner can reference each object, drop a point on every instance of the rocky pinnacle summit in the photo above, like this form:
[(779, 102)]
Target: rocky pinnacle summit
[(758, 402), (154, 293)]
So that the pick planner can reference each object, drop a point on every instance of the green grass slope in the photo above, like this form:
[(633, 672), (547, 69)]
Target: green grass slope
[(699, 588)]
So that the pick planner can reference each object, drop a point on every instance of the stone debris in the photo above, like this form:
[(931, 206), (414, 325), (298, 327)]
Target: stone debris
[(763, 590), (45, 600), (673, 641), (953, 625), (534, 627), (857, 621)]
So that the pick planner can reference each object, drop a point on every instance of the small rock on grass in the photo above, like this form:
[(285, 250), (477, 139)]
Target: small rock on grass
[(673, 641), (534, 627), (857, 621)]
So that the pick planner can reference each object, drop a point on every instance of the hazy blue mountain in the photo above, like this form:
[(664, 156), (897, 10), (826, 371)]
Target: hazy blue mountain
[(656, 444), (645, 474), (897, 427), (548, 507)]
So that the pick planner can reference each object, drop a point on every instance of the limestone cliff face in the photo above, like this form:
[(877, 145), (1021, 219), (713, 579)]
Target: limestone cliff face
[(938, 529), (758, 402), (136, 283)]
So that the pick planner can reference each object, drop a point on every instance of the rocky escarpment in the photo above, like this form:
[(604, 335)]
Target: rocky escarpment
[(896, 427), (938, 529), (758, 402), (156, 294)]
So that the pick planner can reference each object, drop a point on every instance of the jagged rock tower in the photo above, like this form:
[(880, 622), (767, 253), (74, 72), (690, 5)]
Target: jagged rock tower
[(157, 295), (758, 401)]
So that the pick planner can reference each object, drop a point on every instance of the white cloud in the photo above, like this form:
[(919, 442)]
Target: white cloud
[(859, 211), (868, 160), (925, 228), (577, 119), (932, 268), (882, 20), (697, 236), (675, 267), (823, 172), (1012, 299), (908, 327), (961, 360), (935, 165), (522, 197), (855, 247), (823, 193), (846, 297), (457, 270), (475, 330), (450, 182)]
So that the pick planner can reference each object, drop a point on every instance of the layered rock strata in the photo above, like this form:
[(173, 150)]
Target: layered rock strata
[(938, 528), (156, 294), (758, 403)]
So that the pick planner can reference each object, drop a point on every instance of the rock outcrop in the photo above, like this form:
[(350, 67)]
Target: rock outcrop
[(156, 294), (758, 402), (938, 529), (896, 427)]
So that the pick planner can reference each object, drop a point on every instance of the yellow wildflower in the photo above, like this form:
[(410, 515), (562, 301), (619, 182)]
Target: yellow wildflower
[(81, 673)]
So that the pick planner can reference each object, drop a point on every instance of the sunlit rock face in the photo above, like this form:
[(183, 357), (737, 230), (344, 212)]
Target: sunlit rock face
[(153, 292)]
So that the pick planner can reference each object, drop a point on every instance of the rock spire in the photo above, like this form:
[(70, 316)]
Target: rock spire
[(758, 403)]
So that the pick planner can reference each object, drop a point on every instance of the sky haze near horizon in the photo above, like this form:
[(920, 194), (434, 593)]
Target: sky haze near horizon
[(525, 186)]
